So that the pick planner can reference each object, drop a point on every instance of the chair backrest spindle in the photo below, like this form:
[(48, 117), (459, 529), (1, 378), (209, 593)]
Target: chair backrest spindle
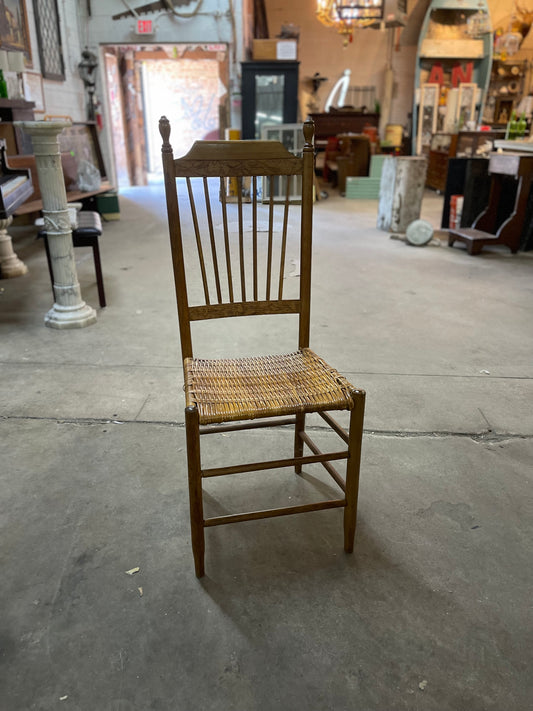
[(270, 234), (241, 238), (226, 236), (212, 239), (254, 235), (284, 237), (198, 240)]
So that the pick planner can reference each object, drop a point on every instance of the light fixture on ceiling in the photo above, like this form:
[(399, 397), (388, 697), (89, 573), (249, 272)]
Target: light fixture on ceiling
[(347, 16)]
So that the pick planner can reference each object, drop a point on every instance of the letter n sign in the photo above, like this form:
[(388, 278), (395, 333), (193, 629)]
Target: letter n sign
[(459, 75)]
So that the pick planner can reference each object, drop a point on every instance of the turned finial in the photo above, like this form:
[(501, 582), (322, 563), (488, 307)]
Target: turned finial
[(164, 130), (309, 131)]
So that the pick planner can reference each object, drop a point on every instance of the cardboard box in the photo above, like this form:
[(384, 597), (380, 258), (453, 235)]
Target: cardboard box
[(273, 49)]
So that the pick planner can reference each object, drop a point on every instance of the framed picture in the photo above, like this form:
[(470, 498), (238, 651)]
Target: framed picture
[(49, 39), (466, 104), (32, 83), (503, 110), (427, 115), (14, 33)]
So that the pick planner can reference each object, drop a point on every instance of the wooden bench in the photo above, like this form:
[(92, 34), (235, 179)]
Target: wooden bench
[(504, 218), (34, 204)]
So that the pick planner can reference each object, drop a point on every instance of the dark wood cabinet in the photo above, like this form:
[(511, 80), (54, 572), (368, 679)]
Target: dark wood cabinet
[(465, 144), (340, 121), (269, 95), (470, 178), (16, 110)]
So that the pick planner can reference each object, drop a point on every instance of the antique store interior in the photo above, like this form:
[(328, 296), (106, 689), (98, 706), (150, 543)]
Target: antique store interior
[(421, 295)]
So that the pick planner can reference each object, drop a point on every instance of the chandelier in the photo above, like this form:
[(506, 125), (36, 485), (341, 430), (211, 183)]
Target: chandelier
[(348, 16)]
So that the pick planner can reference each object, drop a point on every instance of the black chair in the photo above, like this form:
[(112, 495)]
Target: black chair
[(86, 234)]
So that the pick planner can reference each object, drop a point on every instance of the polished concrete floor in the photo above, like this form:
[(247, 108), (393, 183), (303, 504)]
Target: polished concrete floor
[(433, 610)]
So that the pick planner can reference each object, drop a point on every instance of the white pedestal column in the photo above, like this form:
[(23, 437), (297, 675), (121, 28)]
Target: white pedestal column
[(10, 264), (69, 310)]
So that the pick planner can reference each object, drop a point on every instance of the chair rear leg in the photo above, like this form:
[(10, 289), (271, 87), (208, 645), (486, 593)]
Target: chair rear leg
[(352, 468), (99, 275), (192, 429), (298, 441)]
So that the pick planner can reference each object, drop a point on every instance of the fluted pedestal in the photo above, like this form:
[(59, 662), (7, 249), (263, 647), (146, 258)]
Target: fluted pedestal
[(69, 310), (10, 264)]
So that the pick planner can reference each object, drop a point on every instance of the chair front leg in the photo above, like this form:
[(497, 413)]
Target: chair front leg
[(192, 430), (298, 441), (352, 468)]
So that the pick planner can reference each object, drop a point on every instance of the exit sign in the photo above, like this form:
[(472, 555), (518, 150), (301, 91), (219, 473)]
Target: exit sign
[(144, 27)]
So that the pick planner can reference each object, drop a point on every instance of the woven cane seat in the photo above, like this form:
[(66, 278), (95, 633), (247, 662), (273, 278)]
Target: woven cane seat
[(265, 386)]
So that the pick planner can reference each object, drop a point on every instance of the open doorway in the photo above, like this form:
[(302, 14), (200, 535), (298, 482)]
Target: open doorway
[(187, 83)]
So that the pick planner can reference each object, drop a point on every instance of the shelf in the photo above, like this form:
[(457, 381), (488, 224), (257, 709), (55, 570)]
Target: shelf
[(515, 146), (16, 104), (452, 49)]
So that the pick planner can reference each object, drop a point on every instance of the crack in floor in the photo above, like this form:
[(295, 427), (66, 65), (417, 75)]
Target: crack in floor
[(488, 435)]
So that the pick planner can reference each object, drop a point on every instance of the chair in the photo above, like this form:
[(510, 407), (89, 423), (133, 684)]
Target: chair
[(242, 278), (330, 156)]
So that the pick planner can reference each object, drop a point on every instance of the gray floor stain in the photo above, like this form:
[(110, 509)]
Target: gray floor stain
[(459, 513)]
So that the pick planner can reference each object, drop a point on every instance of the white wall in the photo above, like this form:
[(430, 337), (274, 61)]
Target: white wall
[(321, 50), (62, 98), (217, 21)]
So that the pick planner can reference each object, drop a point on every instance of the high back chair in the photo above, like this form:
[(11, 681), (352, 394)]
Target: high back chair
[(245, 276)]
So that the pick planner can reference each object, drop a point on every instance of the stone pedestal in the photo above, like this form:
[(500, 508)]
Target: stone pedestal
[(403, 179), (10, 264), (69, 310)]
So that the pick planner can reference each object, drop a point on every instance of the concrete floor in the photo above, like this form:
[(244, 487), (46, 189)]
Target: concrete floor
[(431, 613)]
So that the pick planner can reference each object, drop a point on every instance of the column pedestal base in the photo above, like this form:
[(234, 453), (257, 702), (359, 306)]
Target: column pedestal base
[(10, 265), (77, 316)]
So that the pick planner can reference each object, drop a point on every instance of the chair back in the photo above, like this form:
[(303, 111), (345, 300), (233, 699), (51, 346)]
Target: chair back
[(237, 212)]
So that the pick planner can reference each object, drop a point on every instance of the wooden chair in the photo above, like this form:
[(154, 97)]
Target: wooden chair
[(259, 391)]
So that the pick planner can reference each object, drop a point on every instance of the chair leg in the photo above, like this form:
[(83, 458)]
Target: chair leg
[(49, 260), (98, 270), (298, 441), (192, 429), (352, 469)]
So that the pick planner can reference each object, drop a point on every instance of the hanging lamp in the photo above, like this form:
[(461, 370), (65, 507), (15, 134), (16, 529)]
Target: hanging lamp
[(347, 16)]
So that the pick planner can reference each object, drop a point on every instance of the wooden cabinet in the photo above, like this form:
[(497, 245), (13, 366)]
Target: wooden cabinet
[(339, 121), (477, 144), (269, 95), (465, 144), (16, 110), (442, 147)]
